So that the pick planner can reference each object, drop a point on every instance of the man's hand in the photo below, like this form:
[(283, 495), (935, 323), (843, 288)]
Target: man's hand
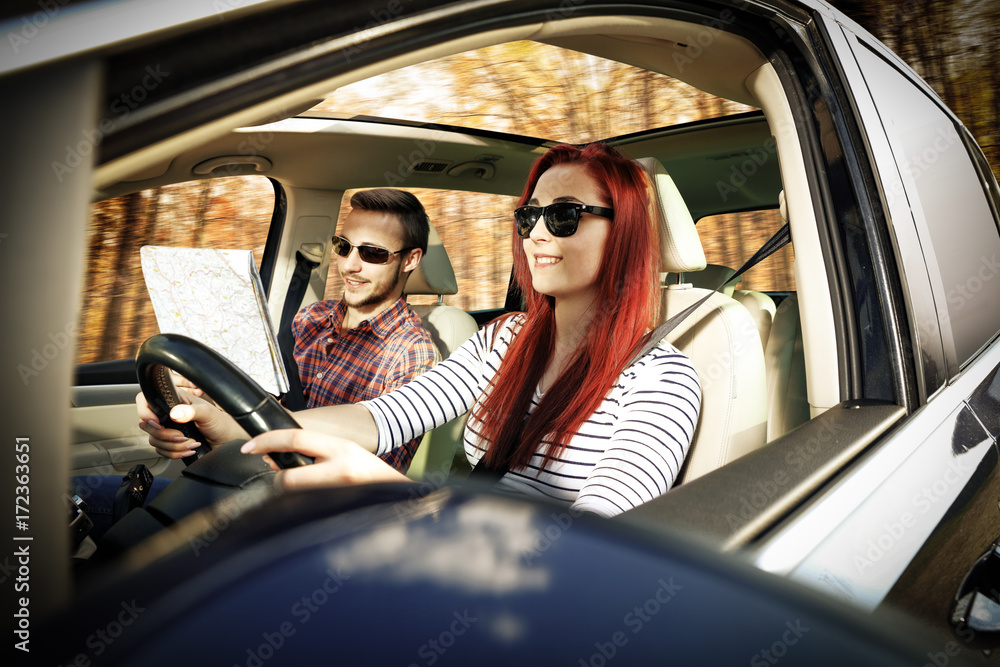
[(214, 424), (181, 381), (339, 462)]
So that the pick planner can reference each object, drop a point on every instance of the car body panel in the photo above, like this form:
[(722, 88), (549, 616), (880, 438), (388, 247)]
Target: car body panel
[(874, 498), (336, 564)]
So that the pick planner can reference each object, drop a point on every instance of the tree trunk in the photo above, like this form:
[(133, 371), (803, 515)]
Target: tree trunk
[(128, 248)]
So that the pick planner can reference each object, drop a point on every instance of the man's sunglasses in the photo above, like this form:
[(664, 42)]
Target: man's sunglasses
[(370, 254), (561, 218)]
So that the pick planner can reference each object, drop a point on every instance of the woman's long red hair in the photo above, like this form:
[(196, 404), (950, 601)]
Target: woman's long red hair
[(628, 299)]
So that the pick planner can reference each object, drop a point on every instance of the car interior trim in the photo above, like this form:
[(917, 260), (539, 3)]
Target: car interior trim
[(764, 486), (818, 328), (890, 374)]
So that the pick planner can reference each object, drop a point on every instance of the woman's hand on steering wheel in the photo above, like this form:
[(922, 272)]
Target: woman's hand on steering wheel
[(338, 461), (217, 426)]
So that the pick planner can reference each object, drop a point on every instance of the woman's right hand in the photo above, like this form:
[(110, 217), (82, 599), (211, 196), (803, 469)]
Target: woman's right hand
[(217, 426), (338, 461)]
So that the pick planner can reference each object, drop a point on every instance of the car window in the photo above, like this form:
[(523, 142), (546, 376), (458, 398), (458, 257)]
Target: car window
[(730, 239), (598, 98), (475, 229), (117, 315), (954, 221)]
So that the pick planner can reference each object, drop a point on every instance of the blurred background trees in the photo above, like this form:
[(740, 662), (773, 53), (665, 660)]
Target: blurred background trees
[(953, 45)]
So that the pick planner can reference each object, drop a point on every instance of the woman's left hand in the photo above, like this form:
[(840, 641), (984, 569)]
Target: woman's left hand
[(339, 462)]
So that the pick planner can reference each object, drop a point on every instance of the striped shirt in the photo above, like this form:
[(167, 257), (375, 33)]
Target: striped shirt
[(628, 452), (347, 366)]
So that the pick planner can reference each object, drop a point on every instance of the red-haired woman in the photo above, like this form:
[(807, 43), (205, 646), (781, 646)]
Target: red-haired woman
[(556, 407)]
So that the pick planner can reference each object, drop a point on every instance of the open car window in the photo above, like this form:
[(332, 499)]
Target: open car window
[(117, 315), (730, 239)]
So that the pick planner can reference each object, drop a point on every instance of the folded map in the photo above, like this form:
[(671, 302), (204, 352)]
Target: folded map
[(216, 297)]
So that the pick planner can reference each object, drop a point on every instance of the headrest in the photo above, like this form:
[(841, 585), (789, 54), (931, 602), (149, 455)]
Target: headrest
[(434, 274), (709, 278), (681, 246)]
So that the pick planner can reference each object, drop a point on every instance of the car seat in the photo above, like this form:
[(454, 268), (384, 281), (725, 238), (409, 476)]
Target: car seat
[(720, 338), (761, 308), (449, 327), (784, 358), (708, 278)]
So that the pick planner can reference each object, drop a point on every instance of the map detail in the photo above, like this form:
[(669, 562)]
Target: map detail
[(216, 297)]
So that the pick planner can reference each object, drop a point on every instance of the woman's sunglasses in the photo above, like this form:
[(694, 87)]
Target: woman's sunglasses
[(369, 254), (561, 218)]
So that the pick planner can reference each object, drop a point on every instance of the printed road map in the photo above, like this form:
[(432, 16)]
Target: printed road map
[(215, 297)]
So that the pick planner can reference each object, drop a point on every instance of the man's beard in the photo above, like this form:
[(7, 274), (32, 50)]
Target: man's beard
[(380, 293)]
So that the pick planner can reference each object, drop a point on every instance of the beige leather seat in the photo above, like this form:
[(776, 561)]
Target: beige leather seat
[(760, 306), (784, 358), (788, 405), (449, 328), (720, 338)]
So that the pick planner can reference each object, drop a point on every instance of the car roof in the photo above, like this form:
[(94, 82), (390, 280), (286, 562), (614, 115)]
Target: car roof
[(711, 161), (198, 83)]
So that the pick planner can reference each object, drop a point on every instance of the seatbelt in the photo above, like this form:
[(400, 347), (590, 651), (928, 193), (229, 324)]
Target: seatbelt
[(780, 238), (772, 245), (294, 399)]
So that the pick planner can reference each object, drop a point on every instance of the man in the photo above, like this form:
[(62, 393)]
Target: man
[(368, 342), (353, 349)]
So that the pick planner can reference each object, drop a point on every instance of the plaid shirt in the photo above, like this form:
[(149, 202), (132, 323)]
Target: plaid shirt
[(347, 366)]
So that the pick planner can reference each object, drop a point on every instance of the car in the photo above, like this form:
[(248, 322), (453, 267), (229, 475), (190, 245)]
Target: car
[(840, 501)]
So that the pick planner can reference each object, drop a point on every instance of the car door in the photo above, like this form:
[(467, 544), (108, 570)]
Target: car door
[(912, 518)]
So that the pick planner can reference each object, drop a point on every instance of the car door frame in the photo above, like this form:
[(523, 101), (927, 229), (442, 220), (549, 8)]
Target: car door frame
[(885, 518)]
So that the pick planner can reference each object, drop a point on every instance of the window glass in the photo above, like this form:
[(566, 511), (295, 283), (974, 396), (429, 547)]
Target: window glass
[(216, 213), (515, 87), (475, 229), (731, 239), (958, 233)]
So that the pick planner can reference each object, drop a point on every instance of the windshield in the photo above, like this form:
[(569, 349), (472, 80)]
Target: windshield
[(531, 89)]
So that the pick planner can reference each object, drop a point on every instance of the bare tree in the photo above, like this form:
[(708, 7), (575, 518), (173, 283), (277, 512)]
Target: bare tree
[(128, 248)]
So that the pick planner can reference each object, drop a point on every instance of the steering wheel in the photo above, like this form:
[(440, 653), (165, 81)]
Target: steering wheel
[(235, 392), (216, 473)]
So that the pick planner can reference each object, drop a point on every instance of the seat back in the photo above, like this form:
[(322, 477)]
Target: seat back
[(788, 405), (720, 339), (760, 306), (784, 359), (449, 327)]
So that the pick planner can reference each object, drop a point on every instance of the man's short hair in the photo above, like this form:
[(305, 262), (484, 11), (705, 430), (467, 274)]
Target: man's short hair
[(407, 209)]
